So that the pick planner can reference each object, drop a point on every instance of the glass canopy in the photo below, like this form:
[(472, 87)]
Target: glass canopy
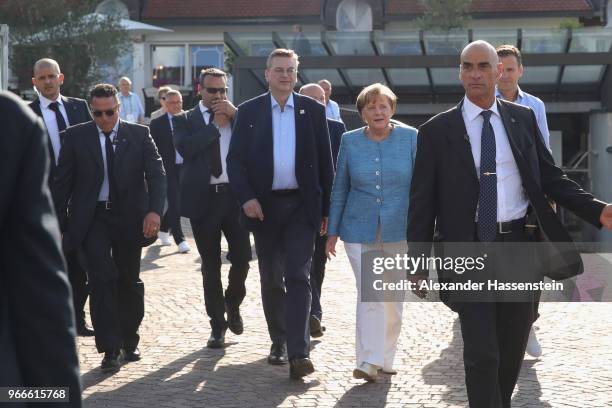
[(556, 61)]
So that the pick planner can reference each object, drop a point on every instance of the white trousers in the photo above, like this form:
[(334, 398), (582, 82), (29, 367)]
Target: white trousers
[(378, 323)]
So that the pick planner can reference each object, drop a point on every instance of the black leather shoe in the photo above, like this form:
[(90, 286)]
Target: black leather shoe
[(111, 362), (132, 355), (234, 320), (216, 339), (83, 329), (316, 330), (300, 367), (278, 354)]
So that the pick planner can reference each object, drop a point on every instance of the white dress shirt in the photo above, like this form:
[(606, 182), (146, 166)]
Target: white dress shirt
[(105, 189), (178, 158), (224, 141), (512, 202), (51, 122), (283, 132)]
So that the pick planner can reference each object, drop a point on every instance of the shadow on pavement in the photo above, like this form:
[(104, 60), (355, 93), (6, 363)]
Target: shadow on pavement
[(367, 394), (196, 380)]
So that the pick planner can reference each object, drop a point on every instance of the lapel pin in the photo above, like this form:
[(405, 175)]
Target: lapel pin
[(512, 120), (302, 111), (250, 126)]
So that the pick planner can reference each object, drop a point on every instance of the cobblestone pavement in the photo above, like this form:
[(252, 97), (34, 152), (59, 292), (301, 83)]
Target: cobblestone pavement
[(177, 370)]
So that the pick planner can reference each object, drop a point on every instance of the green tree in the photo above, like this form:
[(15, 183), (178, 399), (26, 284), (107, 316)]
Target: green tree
[(67, 31), (444, 15)]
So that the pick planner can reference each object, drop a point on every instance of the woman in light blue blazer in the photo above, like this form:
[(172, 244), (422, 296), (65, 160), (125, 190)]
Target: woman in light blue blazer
[(369, 211)]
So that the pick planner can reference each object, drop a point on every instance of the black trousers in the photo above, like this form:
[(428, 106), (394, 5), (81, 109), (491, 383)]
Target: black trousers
[(223, 212), (495, 336), (78, 281), (116, 291), (171, 221), (284, 245), (317, 274)]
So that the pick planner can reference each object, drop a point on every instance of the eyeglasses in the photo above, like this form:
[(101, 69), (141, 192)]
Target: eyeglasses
[(213, 91), (281, 71), (108, 112)]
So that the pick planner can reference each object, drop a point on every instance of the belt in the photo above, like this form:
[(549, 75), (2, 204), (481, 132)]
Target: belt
[(104, 205), (285, 192), (219, 188), (508, 227)]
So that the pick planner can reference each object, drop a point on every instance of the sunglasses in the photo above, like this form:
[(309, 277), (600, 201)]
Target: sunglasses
[(213, 91), (108, 112)]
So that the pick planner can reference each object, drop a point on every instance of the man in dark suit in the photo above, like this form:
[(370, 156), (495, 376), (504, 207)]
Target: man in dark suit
[(37, 347), (59, 112), (112, 176), (202, 136), (317, 268), (161, 132), (457, 191), (280, 167)]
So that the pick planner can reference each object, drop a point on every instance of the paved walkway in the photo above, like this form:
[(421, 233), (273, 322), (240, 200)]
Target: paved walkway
[(177, 370)]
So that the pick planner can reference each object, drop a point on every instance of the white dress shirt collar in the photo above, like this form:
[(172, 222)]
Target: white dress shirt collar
[(473, 111), (44, 102), (113, 132)]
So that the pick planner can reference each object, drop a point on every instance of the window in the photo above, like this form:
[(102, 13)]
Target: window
[(168, 65), (354, 15), (205, 56)]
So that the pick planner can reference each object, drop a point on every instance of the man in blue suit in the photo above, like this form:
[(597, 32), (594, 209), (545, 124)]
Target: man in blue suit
[(317, 269), (280, 168)]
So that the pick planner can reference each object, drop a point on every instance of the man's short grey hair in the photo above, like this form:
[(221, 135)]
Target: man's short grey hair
[(494, 59), (46, 63), (125, 79), (173, 92)]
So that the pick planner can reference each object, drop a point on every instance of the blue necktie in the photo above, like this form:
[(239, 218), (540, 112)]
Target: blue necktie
[(487, 198)]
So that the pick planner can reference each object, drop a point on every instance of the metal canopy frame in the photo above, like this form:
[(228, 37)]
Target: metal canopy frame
[(346, 91)]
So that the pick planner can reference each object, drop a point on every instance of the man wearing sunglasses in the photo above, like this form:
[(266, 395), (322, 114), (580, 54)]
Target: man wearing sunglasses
[(59, 112), (202, 137), (112, 176)]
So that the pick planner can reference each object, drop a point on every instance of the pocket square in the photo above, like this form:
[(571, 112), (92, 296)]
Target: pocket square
[(302, 111)]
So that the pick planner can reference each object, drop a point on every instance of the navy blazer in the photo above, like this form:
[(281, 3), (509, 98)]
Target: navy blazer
[(444, 191), (336, 130), (161, 132), (192, 138), (138, 174), (77, 112), (250, 162), (37, 347)]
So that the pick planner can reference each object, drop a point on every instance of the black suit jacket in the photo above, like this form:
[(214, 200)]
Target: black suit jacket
[(138, 173), (250, 162), (336, 130), (193, 139), (37, 332), (161, 132), (444, 192), (77, 111)]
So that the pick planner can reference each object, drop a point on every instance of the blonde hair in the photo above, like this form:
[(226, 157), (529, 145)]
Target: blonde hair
[(282, 52), (371, 92)]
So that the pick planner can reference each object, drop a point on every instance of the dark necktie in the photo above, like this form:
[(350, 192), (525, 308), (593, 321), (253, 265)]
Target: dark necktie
[(487, 199), (214, 152), (61, 123), (110, 158)]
